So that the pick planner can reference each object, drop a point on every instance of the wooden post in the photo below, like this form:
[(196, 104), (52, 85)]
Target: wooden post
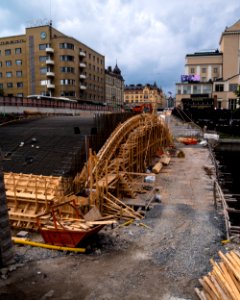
[(214, 194)]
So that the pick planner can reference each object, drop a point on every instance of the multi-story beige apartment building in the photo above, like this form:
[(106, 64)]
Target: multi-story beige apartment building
[(44, 61), (214, 74), (140, 94), (114, 85)]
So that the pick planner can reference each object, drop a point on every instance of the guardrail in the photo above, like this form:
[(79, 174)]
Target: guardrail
[(49, 103)]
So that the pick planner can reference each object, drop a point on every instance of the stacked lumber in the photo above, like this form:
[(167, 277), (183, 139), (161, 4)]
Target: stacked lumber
[(28, 195), (74, 224), (60, 218), (223, 282)]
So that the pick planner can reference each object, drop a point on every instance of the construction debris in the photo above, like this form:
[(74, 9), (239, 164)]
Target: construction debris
[(223, 282)]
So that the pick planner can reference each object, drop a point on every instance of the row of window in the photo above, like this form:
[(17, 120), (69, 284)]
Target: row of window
[(73, 82), (232, 87), (207, 89), (10, 74), (8, 63), (18, 62), (203, 70), (71, 46), (10, 85), (9, 51)]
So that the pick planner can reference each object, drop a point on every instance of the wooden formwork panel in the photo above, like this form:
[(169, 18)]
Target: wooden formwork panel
[(29, 195)]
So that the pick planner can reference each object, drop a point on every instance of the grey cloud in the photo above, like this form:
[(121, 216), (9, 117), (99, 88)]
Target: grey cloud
[(149, 39)]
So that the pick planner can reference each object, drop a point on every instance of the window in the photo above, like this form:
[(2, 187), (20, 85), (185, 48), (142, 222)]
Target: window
[(67, 82), (9, 85), (8, 52), (19, 73), (192, 70), (233, 87), (18, 62), (196, 89), (66, 46), (19, 94), (0, 64), (204, 70), (186, 89), (204, 79), (215, 70), (66, 58), (0, 74), (232, 104), (19, 84), (42, 58), (1, 85), (67, 70), (43, 82), (69, 93), (207, 89), (43, 70), (8, 63), (18, 50), (8, 74), (42, 46), (219, 88)]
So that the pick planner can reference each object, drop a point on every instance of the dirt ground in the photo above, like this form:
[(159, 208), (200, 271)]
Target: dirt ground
[(162, 260)]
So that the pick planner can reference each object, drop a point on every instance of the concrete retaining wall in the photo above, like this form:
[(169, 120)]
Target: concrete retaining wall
[(6, 253)]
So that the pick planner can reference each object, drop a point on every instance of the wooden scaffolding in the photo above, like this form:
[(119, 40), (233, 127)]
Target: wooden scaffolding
[(117, 170)]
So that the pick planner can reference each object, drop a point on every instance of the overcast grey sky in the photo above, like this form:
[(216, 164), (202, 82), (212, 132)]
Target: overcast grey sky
[(148, 38)]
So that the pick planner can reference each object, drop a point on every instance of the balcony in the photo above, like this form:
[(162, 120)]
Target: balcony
[(82, 65), (82, 54), (49, 50), (82, 76), (82, 87), (50, 74), (50, 86), (49, 62)]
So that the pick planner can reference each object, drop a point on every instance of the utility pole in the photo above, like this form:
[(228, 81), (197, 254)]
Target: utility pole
[(6, 253)]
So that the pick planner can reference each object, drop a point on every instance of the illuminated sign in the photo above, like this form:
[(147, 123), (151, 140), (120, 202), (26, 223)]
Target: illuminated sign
[(190, 78)]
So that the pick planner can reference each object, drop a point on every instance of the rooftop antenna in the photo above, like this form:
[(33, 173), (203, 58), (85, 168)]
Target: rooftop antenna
[(50, 9)]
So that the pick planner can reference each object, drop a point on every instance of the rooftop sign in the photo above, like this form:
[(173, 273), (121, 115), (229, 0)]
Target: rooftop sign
[(190, 78)]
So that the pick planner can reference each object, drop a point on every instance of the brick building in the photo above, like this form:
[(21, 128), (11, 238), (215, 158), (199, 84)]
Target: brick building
[(44, 61)]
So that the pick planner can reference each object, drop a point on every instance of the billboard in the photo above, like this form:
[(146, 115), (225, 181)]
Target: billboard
[(190, 78)]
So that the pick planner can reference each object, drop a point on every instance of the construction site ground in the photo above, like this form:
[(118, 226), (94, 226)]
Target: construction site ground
[(159, 257)]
